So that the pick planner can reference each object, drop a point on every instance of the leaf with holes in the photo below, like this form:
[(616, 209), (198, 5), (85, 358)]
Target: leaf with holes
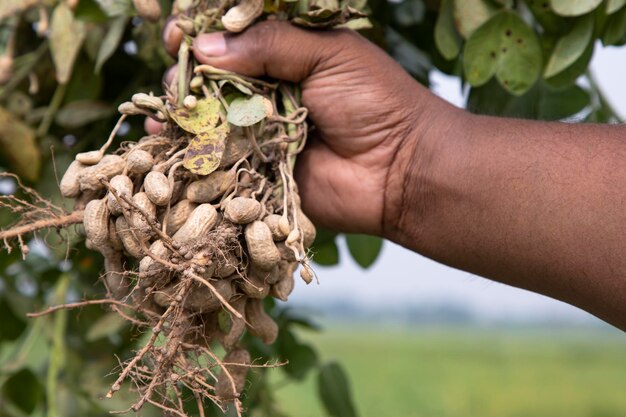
[(205, 151), (202, 118), (506, 47)]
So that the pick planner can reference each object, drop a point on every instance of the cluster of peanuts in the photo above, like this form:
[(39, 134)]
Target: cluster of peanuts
[(177, 244)]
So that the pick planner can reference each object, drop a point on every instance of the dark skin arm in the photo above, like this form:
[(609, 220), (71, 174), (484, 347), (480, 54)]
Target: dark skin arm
[(540, 206)]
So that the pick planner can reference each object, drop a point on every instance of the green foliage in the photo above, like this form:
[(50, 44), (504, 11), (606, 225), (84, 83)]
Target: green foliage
[(62, 95)]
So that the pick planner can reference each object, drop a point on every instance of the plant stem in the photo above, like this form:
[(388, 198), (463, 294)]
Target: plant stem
[(54, 105), (57, 355)]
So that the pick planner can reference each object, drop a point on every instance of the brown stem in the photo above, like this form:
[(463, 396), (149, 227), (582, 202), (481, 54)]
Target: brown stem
[(62, 221)]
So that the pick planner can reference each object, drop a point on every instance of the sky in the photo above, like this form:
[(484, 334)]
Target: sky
[(401, 277)]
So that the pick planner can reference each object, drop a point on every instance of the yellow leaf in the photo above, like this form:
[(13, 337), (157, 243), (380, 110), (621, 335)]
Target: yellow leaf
[(18, 146), (202, 118), (204, 152)]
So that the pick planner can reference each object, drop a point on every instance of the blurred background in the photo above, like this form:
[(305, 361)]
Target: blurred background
[(420, 339)]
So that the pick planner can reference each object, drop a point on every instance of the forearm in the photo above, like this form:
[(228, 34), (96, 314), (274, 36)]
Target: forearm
[(540, 206)]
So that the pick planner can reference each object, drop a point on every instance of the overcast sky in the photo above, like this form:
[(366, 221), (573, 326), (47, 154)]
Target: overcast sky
[(402, 277)]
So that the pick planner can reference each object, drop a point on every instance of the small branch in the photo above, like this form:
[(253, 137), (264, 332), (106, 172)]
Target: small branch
[(62, 221)]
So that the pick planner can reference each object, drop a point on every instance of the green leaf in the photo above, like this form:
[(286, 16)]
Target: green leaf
[(302, 358), (66, 37), (111, 41), (334, 391), (540, 102), (202, 118), (615, 29), (24, 390), (447, 38), (545, 16), (326, 254), (18, 145), (115, 8), (12, 325), (205, 151), (469, 15), (505, 47), (83, 112), (574, 7), (364, 249), (613, 6), (570, 47), (246, 111), (108, 324), (571, 74)]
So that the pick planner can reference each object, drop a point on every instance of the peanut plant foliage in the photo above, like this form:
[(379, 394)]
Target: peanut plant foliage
[(68, 66)]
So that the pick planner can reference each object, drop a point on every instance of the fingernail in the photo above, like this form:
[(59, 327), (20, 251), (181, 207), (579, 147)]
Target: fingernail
[(211, 44)]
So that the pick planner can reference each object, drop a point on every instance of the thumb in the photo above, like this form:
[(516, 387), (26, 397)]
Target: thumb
[(275, 49)]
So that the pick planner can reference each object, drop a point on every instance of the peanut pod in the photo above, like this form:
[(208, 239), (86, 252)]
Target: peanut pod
[(242, 210), (178, 215), (157, 188), (237, 325), (110, 166), (273, 222), (202, 219), (241, 16), (209, 188), (139, 161), (154, 270), (137, 218), (237, 364), (260, 323), (130, 242), (70, 185), (261, 248), (96, 222), (123, 187)]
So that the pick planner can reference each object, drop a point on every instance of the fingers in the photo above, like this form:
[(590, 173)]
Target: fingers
[(172, 36), (276, 49), (152, 127)]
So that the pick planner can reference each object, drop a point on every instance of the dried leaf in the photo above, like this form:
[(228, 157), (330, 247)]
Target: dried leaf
[(202, 118), (244, 111), (18, 145), (66, 37), (205, 151)]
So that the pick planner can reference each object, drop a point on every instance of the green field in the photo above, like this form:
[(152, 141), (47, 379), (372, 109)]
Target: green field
[(472, 373)]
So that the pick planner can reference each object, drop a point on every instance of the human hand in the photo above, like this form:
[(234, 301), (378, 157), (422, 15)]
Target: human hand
[(364, 106)]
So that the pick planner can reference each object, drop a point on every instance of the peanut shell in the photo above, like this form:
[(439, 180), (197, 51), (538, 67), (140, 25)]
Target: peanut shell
[(272, 221), (261, 248), (201, 220), (139, 161), (178, 215), (237, 363), (157, 188), (260, 323), (70, 185), (96, 222), (123, 186), (110, 166), (131, 244), (242, 210)]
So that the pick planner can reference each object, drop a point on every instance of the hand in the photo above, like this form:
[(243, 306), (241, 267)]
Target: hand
[(363, 104)]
